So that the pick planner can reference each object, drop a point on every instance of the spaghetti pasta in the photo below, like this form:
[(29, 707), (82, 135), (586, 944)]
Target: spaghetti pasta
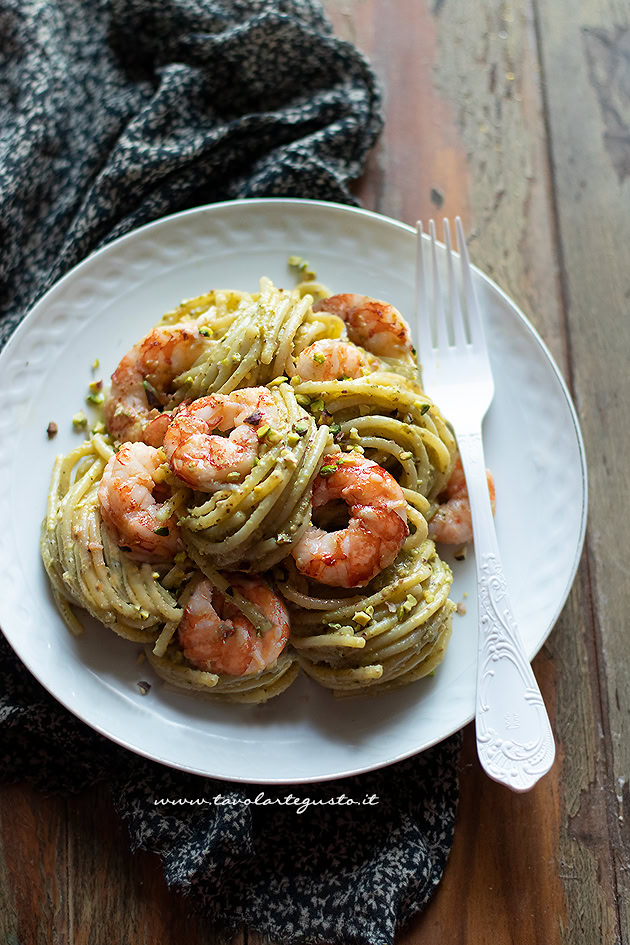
[(259, 489)]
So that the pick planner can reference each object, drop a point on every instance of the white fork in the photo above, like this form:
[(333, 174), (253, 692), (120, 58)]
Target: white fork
[(514, 739)]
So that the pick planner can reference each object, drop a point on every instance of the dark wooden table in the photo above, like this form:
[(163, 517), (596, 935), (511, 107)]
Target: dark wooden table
[(517, 117)]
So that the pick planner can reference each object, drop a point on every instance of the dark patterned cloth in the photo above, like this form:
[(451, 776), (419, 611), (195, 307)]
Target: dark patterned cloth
[(113, 113)]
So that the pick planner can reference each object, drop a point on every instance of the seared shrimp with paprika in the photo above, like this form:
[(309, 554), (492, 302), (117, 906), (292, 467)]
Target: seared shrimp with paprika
[(452, 523), (128, 505), (202, 458), (352, 556), (142, 378), (217, 637), (330, 360), (376, 326)]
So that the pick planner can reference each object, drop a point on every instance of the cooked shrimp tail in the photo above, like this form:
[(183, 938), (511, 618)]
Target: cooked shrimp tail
[(199, 455), (128, 504), (352, 556), (217, 637), (376, 326), (140, 382), (452, 523)]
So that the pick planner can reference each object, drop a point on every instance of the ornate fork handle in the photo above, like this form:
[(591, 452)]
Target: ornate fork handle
[(514, 738)]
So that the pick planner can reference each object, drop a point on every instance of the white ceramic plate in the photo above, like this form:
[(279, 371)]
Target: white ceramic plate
[(108, 302)]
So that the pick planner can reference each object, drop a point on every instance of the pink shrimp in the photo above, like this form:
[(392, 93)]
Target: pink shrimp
[(127, 503), (204, 460), (217, 637), (376, 326), (376, 532), (452, 523), (329, 360), (146, 370)]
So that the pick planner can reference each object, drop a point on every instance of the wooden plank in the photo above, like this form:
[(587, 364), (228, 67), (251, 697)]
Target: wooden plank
[(418, 169), (502, 882), (114, 896), (33, 867), (585, 50)]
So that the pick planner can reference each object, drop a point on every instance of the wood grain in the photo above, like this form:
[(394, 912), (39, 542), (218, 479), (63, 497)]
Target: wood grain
[(33, 867), (67, 876), (586, 62)]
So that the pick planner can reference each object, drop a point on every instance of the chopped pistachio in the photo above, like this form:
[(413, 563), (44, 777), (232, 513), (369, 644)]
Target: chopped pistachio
[(328, 470), (335, 428), (79, 421), (293, 439), (300, 428), (95, 398), (233, 477), (297, 262), (95, 386), (354, 434), (295, 380), (52, 429), (144, 687), (362, 618), (335, 626), (273, 436), (319, 358), (161, 530), (95, 364), (99, 428), (277, 381), (317, 404), (405, 455), (289, 457), (425, 409), (206, 331), (303, 400), (155, 575), (262, 432)]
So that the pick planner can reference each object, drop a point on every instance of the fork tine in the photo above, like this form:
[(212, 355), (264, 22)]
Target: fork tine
[(477, 334), (423, 315), (440, 316), (456, 308)]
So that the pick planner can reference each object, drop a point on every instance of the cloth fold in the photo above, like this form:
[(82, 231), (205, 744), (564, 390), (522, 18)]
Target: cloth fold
[(114, 113)]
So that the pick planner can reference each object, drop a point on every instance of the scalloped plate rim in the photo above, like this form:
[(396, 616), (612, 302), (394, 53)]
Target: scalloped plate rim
[(23, 327)]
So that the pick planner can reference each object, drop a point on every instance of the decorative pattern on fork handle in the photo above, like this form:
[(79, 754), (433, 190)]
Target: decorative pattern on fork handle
[(514, 738)]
